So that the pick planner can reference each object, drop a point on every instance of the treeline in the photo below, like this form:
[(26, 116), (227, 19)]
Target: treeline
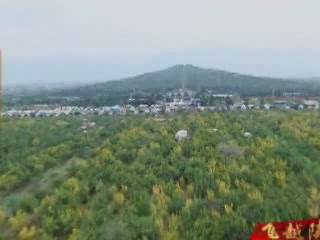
[(128, 178)]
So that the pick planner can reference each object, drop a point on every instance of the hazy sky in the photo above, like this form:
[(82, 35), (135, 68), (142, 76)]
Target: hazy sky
[(145, 27)]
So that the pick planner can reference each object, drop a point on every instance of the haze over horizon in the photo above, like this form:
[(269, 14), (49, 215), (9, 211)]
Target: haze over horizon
[(86, 41)]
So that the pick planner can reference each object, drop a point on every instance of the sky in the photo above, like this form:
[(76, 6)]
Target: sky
[(147, 27)]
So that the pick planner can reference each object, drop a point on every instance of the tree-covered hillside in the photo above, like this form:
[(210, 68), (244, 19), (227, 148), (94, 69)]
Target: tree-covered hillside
[(128, 178), (160, 82), (194, 78)]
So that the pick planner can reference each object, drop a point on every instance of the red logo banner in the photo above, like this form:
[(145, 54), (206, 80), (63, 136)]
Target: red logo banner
[(308, 229)]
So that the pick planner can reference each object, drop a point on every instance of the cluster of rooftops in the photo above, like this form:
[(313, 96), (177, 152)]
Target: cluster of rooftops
[(187, 106)]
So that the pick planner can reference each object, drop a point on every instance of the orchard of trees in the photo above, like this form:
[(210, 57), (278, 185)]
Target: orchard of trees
[(128, 178)]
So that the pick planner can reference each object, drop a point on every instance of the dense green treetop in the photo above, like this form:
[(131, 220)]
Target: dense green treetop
[(128, 178)]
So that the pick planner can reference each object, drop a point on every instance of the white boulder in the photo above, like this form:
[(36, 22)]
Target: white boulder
[(181, 134), (247, 134)]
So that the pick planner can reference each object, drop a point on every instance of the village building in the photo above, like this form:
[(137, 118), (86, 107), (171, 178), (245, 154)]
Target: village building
[(311, 104)]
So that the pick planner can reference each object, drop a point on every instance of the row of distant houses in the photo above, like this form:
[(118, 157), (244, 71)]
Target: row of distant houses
[(154, 109), (305, 104), (75, 111)]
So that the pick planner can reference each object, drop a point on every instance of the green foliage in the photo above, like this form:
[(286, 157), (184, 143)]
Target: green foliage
[(129, 179)]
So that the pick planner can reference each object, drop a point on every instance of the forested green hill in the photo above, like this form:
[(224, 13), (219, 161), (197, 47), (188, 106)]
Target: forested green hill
[(128, 178), (160, 82), (195, 78)]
